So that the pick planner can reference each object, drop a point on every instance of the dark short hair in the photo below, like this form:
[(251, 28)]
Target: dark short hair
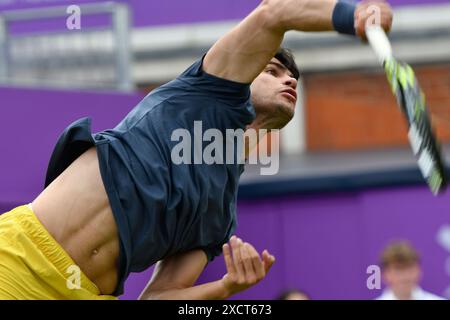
[(286, 57)]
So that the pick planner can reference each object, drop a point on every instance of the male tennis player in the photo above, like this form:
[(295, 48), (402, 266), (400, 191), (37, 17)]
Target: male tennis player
[(115, 202)]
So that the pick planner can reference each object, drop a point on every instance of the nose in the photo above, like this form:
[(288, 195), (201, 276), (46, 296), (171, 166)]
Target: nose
[(291, 82)]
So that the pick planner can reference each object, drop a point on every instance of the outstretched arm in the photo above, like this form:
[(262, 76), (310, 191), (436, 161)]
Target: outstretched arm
[(174, 278), (243, 53)]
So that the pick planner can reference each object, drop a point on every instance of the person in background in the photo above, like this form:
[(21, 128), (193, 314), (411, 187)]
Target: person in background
[(293, 294), (401, 271)]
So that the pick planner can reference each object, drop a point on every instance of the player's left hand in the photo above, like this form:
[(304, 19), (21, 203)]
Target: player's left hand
[(370, 12), (245, 267)]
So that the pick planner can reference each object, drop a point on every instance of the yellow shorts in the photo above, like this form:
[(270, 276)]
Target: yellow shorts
[(34, 266)]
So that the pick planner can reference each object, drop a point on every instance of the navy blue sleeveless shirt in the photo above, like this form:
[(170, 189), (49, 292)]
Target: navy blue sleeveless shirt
[(162, 208)]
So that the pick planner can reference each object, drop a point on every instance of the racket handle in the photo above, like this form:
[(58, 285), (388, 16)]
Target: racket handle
[(379, 42)]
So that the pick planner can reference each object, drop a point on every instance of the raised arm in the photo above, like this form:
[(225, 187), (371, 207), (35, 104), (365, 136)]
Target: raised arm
[(243, 53)]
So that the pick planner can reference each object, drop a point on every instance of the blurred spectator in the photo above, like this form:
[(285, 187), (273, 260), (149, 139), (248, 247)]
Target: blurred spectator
[(402, 272), (293, 294)]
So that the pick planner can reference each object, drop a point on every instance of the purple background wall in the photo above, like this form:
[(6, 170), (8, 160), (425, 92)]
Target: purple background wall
[(323, 242), (31, 121), (179, 11)]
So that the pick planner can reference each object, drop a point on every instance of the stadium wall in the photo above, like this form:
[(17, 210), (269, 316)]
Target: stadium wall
[(354, 110)]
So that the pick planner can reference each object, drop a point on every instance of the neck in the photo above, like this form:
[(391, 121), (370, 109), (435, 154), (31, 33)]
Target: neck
[(403, 295), (259, 124), (266, 121)]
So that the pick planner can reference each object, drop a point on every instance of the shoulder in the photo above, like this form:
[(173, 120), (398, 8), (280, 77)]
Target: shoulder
[(201, 80), (386, 295), (421, 294)]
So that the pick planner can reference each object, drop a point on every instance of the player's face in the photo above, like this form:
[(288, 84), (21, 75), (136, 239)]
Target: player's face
[(402, 279), (274, 94)]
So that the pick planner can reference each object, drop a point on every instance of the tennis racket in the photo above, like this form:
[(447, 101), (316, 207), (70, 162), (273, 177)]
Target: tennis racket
[(411, 101)]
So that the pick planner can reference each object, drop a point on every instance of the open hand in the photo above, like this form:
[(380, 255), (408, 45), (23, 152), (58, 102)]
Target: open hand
[(245, 267)]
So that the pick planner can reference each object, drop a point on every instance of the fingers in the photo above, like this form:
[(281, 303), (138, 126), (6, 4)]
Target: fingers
[(229, 261), (258, 265), (250, 275), (244, 262), (244, 265), (268, 260), (373, 12), (236, 244)]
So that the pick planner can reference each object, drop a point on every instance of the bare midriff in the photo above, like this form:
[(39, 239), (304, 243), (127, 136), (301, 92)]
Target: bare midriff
[(75, 210)]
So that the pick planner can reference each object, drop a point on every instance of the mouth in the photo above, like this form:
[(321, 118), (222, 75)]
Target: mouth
[(291, 94)]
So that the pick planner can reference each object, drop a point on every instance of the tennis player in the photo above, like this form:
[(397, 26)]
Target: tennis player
[(116, 203)]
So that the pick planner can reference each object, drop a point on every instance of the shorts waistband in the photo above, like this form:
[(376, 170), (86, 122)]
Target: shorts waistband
[(52, 250)]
